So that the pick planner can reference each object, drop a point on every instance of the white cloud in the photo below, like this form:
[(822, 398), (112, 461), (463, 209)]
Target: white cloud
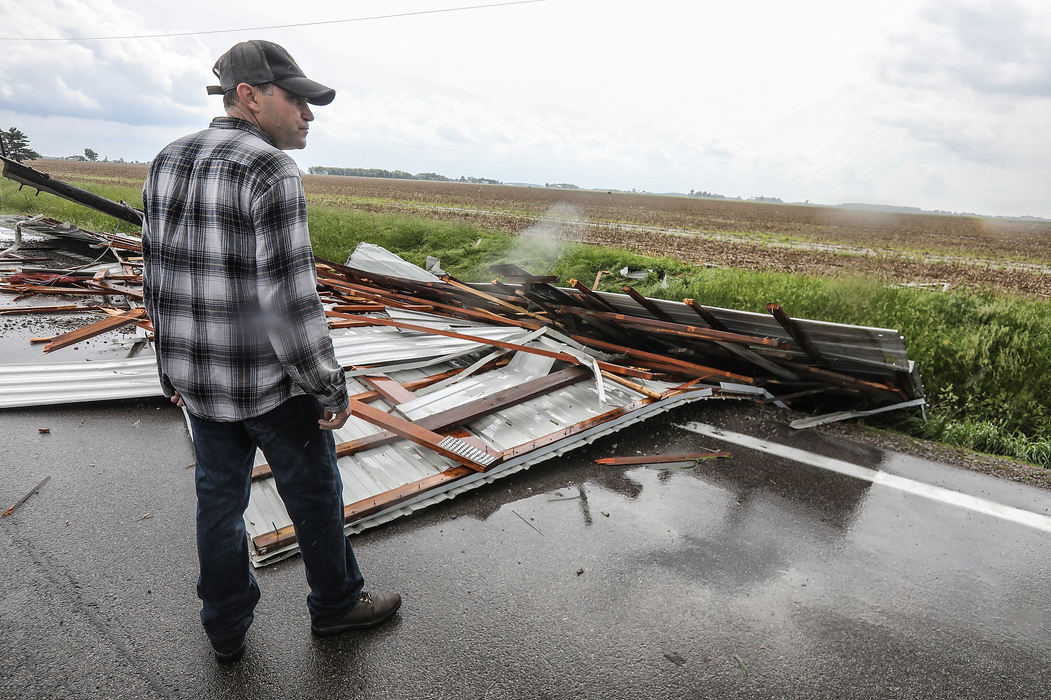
[(936, 104), (999, 48), (131, 81), (75, 97)]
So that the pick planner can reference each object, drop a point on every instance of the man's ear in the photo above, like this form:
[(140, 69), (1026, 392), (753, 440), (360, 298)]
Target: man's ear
[(247, 95)]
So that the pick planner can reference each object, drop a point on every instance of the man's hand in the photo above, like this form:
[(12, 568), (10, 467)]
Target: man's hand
[(332, 421), (177, 400)]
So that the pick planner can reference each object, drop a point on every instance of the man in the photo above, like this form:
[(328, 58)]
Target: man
[(241, 339)]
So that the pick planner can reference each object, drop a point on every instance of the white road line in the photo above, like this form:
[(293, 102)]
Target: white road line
[(936, 493)]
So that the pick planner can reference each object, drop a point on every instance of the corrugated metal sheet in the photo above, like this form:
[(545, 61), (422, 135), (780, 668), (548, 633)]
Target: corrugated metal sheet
[(73, 382), (381, 469), (378, 260), (562, 419), (877, 352)]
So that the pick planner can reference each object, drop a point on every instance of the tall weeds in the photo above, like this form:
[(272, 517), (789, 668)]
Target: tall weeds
[(984, 358)]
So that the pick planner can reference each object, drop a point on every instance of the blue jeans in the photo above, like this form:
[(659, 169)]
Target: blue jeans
[(302, 458)]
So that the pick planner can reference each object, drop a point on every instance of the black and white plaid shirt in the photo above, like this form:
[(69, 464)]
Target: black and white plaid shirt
[(229, 277)]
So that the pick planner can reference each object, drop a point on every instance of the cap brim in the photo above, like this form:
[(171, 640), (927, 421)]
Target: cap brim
[(316, 93)]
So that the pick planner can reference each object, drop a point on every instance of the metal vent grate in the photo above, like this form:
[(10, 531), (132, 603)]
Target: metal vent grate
[(467, 451)]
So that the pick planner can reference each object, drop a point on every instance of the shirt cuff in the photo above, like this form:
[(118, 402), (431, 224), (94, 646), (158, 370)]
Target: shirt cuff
[(337, 401)]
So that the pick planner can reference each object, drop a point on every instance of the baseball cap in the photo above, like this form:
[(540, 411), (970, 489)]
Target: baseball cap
[(257, 61)]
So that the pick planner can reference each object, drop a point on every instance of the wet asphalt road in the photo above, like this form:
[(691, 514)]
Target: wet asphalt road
[(754, 577)]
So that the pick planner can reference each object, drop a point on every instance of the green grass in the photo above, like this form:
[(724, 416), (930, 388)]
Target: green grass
[(983, 357), (463, 249), (27, 201)]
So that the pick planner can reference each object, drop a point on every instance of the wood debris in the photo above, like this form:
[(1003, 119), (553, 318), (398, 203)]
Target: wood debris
[(542, 368)]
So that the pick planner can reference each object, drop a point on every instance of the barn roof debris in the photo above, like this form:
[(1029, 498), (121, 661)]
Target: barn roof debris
[(455, 384)]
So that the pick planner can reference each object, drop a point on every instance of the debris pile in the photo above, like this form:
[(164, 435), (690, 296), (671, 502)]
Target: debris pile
[(454, 384)]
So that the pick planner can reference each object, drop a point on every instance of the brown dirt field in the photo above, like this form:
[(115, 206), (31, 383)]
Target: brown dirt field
[(1008, 255)]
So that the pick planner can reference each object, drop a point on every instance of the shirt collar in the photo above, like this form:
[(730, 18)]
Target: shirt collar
[(242, 124)]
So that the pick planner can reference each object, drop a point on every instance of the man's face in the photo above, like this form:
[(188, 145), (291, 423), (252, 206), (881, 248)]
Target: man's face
[(285, 117)]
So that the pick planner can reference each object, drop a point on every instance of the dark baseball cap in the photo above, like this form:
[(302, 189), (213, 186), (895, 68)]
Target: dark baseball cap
[(256, 62)]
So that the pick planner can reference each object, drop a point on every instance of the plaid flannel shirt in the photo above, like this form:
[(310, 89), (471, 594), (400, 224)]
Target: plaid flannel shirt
[(229, 278)]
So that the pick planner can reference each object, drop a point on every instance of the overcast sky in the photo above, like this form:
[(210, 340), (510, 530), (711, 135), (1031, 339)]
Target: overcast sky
[(939, 104)]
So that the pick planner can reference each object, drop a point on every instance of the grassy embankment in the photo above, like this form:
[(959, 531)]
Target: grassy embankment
[(983, 357)]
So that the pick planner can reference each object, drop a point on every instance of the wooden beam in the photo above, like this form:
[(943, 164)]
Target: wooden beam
[(682, 329), (68, 308), (450, 447), (94, 329), (282, 537), (672, 364), (108, 288), (634, 386), (597, 301), (399, 300), (646, 304), (848, 382), (565, 357), (744, 353), (390, 389), (797, 333), (705, 314), (357, 308), (460, 415), (490, 298)]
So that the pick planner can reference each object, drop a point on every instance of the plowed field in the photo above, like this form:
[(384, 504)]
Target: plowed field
[(1011, 255)]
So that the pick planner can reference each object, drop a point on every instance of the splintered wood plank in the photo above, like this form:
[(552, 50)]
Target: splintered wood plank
[(682, 329), (282, 537), (389, 389), (68, 308), (705, 314), (597, 301), (647, 304), (797, 333), (665, 362), (94, 329), (450, 447), (109, 288), (490, 298), (263, 471), (565, 357)]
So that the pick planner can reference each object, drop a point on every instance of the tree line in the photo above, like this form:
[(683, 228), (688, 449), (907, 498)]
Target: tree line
[(395, 174), (14, 144)]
